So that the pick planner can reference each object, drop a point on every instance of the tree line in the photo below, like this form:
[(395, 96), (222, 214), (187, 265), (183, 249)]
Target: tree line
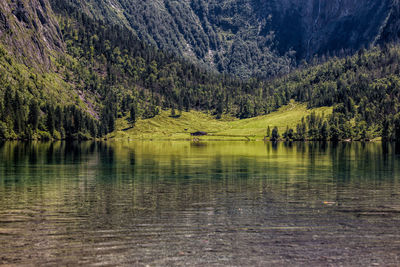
[(127, 78)]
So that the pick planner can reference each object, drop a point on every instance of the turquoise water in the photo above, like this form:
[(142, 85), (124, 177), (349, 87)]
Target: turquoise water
[(199, 204)]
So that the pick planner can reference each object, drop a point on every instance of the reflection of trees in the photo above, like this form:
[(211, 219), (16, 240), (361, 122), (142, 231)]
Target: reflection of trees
[(83, 187), (144, 178)]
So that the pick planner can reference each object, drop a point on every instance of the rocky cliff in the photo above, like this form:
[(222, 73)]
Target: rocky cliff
[(29, 30), (317, 26), (242, 37), (252, 37)]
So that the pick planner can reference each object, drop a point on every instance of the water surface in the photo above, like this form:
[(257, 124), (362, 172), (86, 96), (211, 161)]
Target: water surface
[(197, 204)]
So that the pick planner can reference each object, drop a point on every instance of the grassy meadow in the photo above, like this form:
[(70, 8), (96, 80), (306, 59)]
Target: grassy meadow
[(165, 127)]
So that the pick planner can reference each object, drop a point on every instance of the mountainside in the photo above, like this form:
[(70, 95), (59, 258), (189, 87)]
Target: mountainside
[(317, 27), (64, 74), (245, 38), (75, 81), (30, 31)]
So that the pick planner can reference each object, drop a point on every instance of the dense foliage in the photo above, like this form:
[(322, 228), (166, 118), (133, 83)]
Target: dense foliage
[(116, 65), (27, 112), (115, 74), (108, 73), (250, 38), (364, 90), (222, 35)]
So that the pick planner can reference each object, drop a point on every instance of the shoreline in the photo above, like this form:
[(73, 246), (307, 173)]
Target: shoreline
[(194, 140)]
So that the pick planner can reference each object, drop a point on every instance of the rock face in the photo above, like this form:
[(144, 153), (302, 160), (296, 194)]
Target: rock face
[(252, 37), (30, 31), (242, 37), (318, 26), (390, 31)]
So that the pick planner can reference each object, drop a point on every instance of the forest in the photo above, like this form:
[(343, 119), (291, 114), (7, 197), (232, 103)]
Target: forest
[(363, 89), (124, 76)]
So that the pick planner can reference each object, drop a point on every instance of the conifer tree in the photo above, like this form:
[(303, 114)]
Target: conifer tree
[(34, 113), (50, 121), (275, 134), (132, 117)]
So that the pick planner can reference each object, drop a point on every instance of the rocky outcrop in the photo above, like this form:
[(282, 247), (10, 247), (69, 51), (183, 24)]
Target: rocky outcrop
[(29, 30), (390, 30), (241, 36), (258, 37), (318, 26)]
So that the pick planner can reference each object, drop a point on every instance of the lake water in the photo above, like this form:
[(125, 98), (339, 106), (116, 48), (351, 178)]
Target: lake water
[(199, 204)]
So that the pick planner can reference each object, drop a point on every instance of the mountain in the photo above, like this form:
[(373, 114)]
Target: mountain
[(66, 73), (248, 38)]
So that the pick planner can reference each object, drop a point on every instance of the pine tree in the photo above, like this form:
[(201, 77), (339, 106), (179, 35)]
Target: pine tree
[(275, 134), (19, 117), (324, 131), (59, 119), (132, 117), (7, 102), (397, 128), (50, 121), (286, 134), (386, 130), (301, 130), (173, 113), (34, 113)]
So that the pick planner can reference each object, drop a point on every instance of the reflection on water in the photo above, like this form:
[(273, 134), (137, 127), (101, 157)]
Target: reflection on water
[(216, 203)]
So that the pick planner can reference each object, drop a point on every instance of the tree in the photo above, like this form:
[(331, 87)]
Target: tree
[(59, 119), (50, 121), (324, 131), (386, 130), (173, 113), (397, 128), (275, 134), (34, 113), (268, 131), (180, 106), (288, 134), (334, 133), (219, 110), (19, 116), (132, 117), (362, 131), (8, 98), (301, 130)]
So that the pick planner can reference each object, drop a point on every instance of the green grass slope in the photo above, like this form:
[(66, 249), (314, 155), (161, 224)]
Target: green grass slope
[(164, 127)]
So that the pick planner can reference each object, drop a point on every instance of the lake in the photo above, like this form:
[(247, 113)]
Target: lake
[(199, 204)]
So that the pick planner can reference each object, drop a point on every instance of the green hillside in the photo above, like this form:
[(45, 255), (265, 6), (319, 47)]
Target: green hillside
[(165, 127)]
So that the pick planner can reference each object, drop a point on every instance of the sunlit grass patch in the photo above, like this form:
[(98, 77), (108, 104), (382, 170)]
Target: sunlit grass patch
[(165, 127)]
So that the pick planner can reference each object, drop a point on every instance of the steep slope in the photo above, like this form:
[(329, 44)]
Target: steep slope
[(390, 31), (248, 38), (29, 30), (317, 27), (85, 74), (198, 30)]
